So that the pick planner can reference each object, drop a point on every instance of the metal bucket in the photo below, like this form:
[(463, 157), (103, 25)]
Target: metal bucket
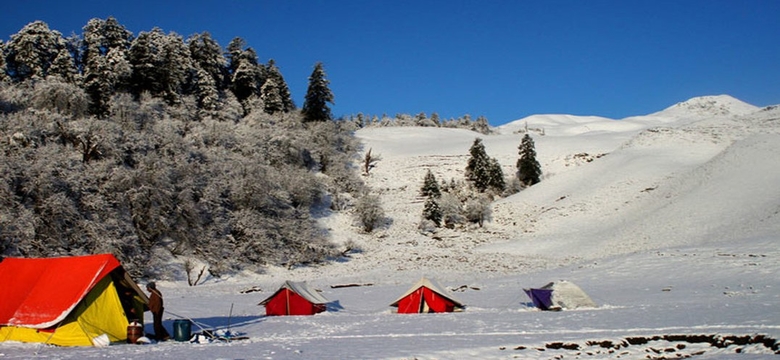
[(181, 330)]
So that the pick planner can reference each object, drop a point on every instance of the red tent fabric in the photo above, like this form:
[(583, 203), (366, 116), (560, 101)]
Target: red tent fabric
[(46, 290), (294, 298), (426, 296)]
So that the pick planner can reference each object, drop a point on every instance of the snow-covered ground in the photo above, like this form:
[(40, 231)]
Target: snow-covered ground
[(668, 221)]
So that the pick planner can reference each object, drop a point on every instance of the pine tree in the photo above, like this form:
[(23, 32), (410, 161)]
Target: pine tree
[(529, 171), (205, 90), (272, 100), (207, 55), (63, 67), (430, 187), (481, 125), (233, 52), (247, 78), (478, 166), (431, 211), (105, 66), (495, 176), (315, 107), (272, 72), (145, 58), (32, 51), (176, 67)]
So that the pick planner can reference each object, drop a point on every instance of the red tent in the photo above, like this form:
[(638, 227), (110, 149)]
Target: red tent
[(426, 296), (67, 300), (294, 298)]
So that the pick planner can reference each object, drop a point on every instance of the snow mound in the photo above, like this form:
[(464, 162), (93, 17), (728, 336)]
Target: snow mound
[(707, 106), (553, 124)]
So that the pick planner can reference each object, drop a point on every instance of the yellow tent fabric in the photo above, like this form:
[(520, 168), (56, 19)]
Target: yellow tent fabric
[(100, 312)]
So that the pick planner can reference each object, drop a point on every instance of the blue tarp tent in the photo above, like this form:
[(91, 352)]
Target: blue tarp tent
[(542, 298), (560, 295)]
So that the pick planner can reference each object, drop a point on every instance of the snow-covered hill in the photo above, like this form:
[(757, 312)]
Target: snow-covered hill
[(670, 222)]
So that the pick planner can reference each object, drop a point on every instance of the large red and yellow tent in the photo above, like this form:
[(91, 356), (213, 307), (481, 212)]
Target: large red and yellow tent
[(67, 301)]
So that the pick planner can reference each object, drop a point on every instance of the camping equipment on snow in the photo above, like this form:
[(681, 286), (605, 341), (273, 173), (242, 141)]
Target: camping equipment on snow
[(427, 296), (294, 298), (68, 301), (559, 295)]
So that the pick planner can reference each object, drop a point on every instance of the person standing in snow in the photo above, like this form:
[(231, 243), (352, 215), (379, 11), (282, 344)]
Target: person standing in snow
[(157, 308)]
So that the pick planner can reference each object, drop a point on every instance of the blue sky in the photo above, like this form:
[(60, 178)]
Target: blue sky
[(504, 59)]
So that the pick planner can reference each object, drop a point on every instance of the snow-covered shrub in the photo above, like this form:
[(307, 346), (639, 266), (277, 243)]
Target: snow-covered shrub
[(369, 213)]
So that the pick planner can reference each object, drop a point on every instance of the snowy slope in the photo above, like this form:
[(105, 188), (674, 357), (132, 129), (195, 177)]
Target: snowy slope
[(668, 221)]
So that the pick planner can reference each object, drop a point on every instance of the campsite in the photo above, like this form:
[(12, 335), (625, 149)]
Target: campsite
[(668, 222)]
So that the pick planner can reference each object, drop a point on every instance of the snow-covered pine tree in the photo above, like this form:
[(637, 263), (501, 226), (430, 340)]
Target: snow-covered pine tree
[(495, 176), (31, 52), (529, 171), (205, 90), (478, 166), (431, 211), (430, 186), (208, 56), (176, 67), (233, 52), (105, 66), (318, 95), (481, 125), (246, 79), (64, 67), (273, 72), (272, 100), (145, 57)]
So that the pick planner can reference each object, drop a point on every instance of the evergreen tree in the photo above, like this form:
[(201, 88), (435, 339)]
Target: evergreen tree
[(207, 55), (272, 72), (145, 57), (430, 187), (98, 85), (481, 125), (478, 166), (318, 95), (205, 90), (495, 176), (176, 67), (529, 171), (431, 211), (482, 171), (106, 69), (272, 100), (246, 78), (161, 64), (233, 52), (32, 51), (63, 67)]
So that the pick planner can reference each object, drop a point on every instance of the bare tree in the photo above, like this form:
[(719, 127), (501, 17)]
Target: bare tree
[(369, 162)]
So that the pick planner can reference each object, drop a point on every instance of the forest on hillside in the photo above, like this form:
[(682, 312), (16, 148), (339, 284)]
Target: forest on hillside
[(152, 145)]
